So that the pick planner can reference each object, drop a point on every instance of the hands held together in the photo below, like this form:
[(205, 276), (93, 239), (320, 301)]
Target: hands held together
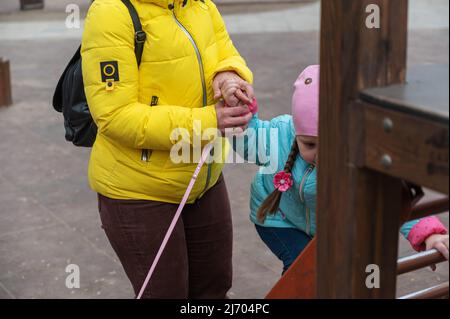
[(233, 109)]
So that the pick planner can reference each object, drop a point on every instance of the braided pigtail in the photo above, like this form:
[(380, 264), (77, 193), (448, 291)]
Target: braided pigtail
[(272, 202)]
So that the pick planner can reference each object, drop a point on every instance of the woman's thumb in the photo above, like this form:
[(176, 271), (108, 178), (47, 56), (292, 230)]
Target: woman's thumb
[(216, 89)]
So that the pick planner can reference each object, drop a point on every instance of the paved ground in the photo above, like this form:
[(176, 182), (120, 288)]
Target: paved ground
[(48, 215)]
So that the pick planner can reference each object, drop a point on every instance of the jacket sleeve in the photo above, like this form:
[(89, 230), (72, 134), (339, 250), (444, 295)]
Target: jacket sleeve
[(108, 36), (229, 57), (417, 231), (263, 141)]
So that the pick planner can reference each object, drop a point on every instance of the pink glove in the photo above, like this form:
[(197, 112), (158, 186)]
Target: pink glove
[(253, 107), (423, 229)]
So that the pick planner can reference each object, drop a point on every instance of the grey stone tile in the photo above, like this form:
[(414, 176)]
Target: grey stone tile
[(19, 214), (34, 266)]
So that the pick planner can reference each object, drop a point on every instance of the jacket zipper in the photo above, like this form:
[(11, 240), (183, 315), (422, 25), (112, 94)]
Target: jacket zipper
[(146, 153), (202, 76), (302, 198), (308, 224), (199, 57)]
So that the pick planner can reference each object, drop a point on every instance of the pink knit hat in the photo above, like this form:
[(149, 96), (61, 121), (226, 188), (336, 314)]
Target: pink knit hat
[(305, 102)]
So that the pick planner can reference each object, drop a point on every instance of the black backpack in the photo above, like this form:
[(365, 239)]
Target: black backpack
[(70, 99)]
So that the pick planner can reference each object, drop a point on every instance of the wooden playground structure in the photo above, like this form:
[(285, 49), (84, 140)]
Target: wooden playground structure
[(383, 135), (5, 73), (31, 4)]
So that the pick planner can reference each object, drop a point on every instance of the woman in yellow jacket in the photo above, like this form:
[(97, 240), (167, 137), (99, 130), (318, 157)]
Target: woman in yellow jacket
[(187, 57)]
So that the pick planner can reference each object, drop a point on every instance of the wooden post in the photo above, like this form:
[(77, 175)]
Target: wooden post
[(358, 209), (5, 83), (31, 4)]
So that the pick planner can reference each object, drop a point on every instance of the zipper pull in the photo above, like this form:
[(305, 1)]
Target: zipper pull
[(144, 156)]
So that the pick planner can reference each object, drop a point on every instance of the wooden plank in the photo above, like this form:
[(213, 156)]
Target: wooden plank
[(359, 208), (299, 281), (425, 94), (5, 83), (31, 4), (407, 147)]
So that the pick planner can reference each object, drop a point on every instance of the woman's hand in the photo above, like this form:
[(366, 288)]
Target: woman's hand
[(232, 117), (440, 243), (232, 88)]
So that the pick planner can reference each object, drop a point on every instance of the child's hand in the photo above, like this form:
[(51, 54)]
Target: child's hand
[(440, 243), (233, 89), (233, 93)]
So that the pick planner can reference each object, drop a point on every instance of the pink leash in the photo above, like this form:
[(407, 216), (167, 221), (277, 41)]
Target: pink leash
[(205, 153), (253, 107)]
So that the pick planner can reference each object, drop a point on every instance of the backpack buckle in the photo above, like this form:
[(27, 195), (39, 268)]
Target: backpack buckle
[(140, 36)]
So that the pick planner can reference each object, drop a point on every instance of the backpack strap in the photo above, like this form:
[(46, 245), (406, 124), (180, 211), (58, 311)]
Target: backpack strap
[(139, 35)]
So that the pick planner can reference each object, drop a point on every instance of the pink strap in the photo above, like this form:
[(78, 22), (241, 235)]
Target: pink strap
[(205, 154)]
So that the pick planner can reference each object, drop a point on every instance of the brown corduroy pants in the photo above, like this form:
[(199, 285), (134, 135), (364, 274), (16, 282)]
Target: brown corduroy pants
[(197, 261)]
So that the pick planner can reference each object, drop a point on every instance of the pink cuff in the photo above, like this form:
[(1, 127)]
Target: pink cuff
[(253, 107), (423, 229)]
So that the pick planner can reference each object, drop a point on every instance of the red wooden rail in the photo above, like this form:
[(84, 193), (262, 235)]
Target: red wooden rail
[(299, 281)]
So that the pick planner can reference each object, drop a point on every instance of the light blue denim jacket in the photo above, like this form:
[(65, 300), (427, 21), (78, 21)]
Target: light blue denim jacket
[(268, 144)]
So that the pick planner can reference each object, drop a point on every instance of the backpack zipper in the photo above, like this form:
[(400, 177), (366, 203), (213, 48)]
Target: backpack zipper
[(202, 76)]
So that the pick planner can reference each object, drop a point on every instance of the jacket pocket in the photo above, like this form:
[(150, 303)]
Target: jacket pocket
[(147, 153)]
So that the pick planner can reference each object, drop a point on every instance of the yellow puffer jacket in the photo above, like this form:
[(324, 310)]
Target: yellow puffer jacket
[(137, 110)]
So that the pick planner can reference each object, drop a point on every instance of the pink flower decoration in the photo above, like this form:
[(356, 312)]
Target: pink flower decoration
[(283, 181)]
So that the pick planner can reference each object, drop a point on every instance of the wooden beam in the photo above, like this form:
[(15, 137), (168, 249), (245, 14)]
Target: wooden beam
[(5, 83), (298, 282), (31, 4), (417, 148), (359, 209), (427, 208)]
